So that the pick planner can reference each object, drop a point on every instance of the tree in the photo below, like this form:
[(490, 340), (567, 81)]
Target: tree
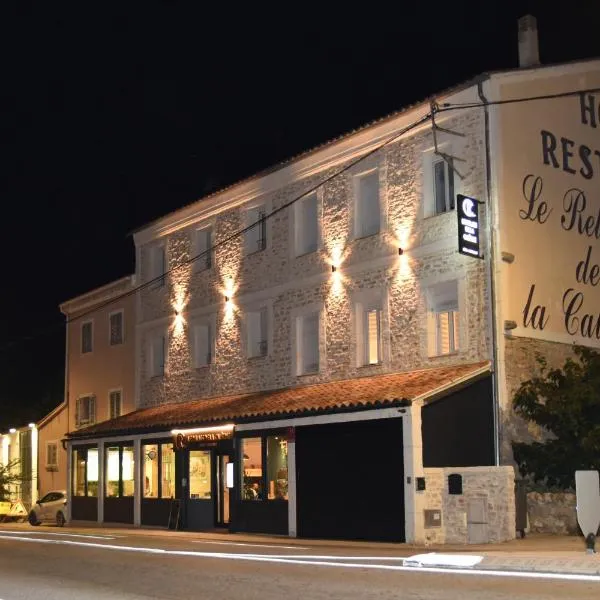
[(9, 475), (566, 403)]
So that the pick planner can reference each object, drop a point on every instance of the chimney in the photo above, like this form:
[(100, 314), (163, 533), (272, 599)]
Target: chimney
[(529, 53)]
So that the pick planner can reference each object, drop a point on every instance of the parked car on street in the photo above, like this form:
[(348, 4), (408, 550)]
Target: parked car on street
[(52, 508)]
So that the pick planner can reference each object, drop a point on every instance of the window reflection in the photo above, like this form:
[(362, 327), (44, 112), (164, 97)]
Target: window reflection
[(150, 457), (277, 469), (252, 480), (168, 471), (200, 475)]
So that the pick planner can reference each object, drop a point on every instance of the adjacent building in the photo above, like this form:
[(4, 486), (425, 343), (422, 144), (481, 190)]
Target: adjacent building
[(99, 373), (19, 448), (329, 348)]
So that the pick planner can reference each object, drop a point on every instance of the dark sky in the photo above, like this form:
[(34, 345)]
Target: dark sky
[(110, 118)]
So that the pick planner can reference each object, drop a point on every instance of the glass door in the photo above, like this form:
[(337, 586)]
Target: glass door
[(224, 485), (200, 502)]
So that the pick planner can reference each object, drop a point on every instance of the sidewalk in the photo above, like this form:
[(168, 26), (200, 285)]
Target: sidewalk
[(536, 552)]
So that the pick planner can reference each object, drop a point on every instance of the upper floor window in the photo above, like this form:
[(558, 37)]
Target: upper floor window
[(367, 204), (157, 351), (87, 337), (158, 265), (443, 184), (306, 219), (85, 411), (114, 404), (203, 249), (257, 332), (307, 335), (116, 328), (255, 238), (51, 455), (443, 318), (202, 344)]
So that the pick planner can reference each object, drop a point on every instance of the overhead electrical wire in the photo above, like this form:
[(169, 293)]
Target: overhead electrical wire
[(444, 107)]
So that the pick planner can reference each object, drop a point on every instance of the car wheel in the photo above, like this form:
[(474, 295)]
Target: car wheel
[(60, 519), (32, 518)]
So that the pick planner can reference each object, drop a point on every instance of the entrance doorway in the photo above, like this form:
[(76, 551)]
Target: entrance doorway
[(224, 485), (200, 496)]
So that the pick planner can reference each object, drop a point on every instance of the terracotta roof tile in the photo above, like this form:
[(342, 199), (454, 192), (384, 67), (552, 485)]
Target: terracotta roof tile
[(351, 394)]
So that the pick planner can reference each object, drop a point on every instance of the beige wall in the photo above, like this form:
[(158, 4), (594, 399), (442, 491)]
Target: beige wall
[(53, 431), (107, 367)]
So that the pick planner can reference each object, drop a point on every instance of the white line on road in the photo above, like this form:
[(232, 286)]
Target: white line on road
[(323, 563), (77, 535), (253, 545)]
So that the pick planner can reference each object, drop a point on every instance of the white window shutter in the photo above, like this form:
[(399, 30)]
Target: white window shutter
[(92, 409), (372, 329), (202, 346), (310, 224), (253, 324), (369, 211), (310, 342)]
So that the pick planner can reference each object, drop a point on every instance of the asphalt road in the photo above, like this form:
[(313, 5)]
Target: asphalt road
[(49, 563)]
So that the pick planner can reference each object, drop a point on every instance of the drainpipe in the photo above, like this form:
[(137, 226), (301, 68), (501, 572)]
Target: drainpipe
[(490, 263)]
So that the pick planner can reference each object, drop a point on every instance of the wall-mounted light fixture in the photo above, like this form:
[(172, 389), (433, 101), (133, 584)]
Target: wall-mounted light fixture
[(333, 268), (12, 430), (227, 298), (400, 252), (508, 325), (31, 425), (508, 257)]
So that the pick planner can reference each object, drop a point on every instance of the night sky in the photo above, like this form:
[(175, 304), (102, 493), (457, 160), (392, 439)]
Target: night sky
[(112, 117)]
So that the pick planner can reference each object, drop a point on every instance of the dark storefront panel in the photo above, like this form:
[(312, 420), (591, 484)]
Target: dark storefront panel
[(458, 430), (156, 511), (262, 517), (84, 508), (350, 480), (118, 510)]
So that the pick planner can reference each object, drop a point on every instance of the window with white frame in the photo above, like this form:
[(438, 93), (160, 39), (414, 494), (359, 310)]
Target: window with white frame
[(255, 238), (158, 265), (307, 336), (157, 354), (202, 344), (443, 184), (443, 318), (87, 337), (85, 411), (51, 455), (114, 403), (257, 329), (306, 219), (203, 249), (116, 328), (367, 204)]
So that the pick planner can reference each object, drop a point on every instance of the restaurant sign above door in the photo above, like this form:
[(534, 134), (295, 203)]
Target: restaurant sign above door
[(182, 438)]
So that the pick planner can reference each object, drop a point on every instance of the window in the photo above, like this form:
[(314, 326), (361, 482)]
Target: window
[(255, 238), (157, 355), (306, 225), (443, 184), (120, 470), (159, 470), (443, 319), (202, 344), (202, 249), (158, 266), (51, 455), (257, 332), (368, 209), (116, 328), (87, 337), (85, 472), (85, 411), (372, 336), (200, 475), (264, 484), (308, 343), (114, 404)]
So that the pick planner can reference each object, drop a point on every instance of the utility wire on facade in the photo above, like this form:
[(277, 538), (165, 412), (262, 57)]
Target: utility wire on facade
[(445, 107)]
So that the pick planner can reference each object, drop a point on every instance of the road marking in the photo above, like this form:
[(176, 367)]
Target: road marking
[(78, 535), (321, 563), (253, 545)]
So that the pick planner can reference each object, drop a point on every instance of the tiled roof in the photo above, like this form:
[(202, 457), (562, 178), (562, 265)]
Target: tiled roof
[(361, 393)]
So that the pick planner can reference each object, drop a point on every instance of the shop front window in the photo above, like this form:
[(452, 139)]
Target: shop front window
[(200, 475), (159, 470), (277, 468), (85, 472), (252, 472), (120, 469)]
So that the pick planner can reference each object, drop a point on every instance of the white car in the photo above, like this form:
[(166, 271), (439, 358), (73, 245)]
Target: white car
[(52, 508)]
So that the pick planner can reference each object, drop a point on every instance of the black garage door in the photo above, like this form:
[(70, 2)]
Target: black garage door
[(350, 479)]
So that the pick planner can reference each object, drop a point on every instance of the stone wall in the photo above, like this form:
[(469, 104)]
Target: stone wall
[(552, 513), (286, 284), (492, 487)]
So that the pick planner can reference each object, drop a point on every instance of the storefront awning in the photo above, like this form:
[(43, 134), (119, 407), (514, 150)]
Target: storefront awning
[(361, 393)]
